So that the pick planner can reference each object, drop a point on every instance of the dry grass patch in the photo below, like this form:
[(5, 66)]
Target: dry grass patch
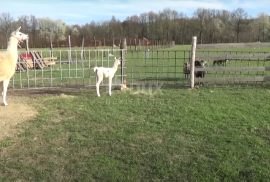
[(15, 113)]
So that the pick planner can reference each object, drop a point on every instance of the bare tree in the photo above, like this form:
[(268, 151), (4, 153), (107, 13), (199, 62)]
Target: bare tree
[(24, 21), (210, 25), (152, 17), (144, 24), (175, 25), (201, 14), (213, 25), (87, 30), (45, 28), (75, 32), (59, 31), (170, 20), (263, 25), (161, 26), (115, 28), (5, 24), (226, 32), (33, 29), (50, 29), (182, 27), (134, 25), (240, 21)]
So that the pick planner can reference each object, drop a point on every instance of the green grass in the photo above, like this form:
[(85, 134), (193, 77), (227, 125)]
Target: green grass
[(206, 134)]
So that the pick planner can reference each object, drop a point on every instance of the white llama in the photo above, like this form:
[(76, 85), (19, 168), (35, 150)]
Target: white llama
[(8, 60), (108, 73)]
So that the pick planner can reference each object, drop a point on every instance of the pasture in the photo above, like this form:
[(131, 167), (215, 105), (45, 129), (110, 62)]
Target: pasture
[(217, 134), (147, 133)]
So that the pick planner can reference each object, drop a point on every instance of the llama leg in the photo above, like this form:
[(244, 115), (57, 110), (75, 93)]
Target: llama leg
[(110, 86), (97, 88), (100, 78), (2, 89), (4, 93)]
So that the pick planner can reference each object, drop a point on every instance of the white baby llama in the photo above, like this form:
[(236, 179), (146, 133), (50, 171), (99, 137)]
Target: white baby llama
[(8, 60), (108, 73)]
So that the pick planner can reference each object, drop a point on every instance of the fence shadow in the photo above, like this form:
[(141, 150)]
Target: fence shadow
[(52, 91)]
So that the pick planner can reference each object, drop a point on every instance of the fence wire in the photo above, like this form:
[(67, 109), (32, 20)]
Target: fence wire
[(163, 67)]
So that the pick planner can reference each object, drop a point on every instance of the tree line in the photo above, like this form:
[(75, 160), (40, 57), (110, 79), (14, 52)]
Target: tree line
[(209, 25)]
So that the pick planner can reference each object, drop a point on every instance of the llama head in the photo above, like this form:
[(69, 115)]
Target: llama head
[(118, 60), (19, 35)]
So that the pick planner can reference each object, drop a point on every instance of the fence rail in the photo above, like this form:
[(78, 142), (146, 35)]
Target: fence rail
[(233, 79), (234, 56), (232, 66), (254, 45), (72, 68), (147, 67), (233, 69), (75, 68)]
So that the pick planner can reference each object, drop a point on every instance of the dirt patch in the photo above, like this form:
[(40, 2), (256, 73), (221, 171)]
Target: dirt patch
[(15, 113), (66, 96), (18, 111)]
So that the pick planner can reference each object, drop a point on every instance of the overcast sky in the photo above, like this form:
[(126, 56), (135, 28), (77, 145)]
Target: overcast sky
[(84, 11)]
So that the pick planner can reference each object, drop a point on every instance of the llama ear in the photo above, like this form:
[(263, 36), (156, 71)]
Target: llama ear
[(18, 29)]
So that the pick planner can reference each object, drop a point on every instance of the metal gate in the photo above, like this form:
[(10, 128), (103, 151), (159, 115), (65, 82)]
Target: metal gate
[(75, 68), (148, 67)]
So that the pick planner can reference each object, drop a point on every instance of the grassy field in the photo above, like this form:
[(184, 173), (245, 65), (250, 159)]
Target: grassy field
[(153, 133), (163, 134)]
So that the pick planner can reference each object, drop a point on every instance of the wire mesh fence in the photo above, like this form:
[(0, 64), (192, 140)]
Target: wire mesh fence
[(71, 69), (163, 67), (75, 68), (156, 67)]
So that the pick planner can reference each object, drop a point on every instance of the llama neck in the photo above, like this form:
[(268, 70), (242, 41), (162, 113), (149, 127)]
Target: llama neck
[(12, 47), (115, 66)]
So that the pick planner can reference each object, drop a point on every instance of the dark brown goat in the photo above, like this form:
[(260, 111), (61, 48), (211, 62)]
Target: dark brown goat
[(200, 64), (186, 69)]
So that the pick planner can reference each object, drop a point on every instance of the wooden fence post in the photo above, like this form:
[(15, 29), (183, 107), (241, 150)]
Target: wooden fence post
[(113, 45), (123, 47), (69, 52), (95, 42), (130, 44), (51, 47), (192, 61), (82, 54), (26, 46)]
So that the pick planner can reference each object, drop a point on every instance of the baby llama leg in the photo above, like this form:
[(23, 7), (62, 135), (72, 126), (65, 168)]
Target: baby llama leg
[(100, 78), (110, 84)]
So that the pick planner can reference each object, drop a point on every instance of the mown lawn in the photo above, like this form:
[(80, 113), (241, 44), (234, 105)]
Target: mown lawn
[(163, 134)]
